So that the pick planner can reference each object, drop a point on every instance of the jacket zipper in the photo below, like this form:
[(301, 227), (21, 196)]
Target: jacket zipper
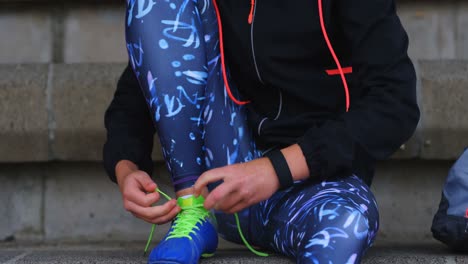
[(251, 21), (252, 43)]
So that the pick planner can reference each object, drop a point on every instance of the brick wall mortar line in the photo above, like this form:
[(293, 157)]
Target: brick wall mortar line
[(44, 172), (57, 30), (51, 126)]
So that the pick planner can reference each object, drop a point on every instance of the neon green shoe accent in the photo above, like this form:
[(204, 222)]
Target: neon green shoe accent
[(192, 213), (207, 255), (191, 202)]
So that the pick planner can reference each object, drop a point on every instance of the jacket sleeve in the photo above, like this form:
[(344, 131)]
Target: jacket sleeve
[(130, 130), (386, 114)]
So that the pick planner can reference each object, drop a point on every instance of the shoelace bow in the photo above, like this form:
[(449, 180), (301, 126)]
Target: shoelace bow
[(187, 221)]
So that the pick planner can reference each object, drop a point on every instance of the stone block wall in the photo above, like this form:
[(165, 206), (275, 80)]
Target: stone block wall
[(62, 33), (72, 32), (55, 112)]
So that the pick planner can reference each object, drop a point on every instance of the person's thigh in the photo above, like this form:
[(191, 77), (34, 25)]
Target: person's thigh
[(321, 222)]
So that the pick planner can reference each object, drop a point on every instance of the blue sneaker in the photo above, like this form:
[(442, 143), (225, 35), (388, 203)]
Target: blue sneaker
[(191, 236)]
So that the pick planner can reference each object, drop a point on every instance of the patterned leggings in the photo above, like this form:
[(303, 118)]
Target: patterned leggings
[(313, 222), (173, 47)]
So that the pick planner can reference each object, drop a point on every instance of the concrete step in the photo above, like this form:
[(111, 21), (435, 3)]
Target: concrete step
[(55, 111), (132, 253), (77, 202)]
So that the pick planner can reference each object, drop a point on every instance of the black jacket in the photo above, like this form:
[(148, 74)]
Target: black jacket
[(293, 98)]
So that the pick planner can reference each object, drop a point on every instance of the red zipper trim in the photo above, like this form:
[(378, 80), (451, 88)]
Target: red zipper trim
[(252, 8), (332, 51), (223, 65), (346, 70)]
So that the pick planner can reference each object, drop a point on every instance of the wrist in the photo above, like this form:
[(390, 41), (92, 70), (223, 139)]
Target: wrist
[(281, 169), (296, 162), (124, 168)]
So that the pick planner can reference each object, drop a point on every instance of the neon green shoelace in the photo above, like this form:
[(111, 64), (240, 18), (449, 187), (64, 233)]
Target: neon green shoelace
[(187, 220)]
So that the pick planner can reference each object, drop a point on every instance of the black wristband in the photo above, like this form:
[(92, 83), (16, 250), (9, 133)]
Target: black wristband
[(281, 168)]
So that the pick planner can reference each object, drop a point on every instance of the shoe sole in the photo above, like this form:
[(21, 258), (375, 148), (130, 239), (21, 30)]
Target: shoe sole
[(164, 262), (205, 255)]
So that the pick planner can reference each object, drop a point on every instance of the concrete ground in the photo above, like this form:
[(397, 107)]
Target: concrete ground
[(13, 253)]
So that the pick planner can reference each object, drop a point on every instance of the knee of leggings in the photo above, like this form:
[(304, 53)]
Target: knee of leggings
[(345, 220), (356, 225), (342, 237)]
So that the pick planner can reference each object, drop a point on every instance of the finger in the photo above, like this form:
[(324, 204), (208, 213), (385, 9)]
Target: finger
[(167, 218), (146, 182), (217, 195), (207, 178), (150, 199), (163, 210), (134, 194), (151, 212), (142, 218), (229, 201)]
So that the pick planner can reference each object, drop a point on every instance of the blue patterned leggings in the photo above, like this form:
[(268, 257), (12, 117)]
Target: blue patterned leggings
[(313, 222), (173, 47)]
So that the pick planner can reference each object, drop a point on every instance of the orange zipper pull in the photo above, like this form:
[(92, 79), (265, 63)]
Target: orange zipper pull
[(252, 8)]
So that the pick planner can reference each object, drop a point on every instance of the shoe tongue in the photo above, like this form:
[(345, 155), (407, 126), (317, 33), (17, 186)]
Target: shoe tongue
[(190, 201)]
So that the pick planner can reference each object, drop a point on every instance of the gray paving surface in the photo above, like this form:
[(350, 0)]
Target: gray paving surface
[(131, 253), (6, 255)]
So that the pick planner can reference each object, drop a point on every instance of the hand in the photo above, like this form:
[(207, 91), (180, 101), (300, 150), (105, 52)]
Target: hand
[(244, 184), (138, 193)]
